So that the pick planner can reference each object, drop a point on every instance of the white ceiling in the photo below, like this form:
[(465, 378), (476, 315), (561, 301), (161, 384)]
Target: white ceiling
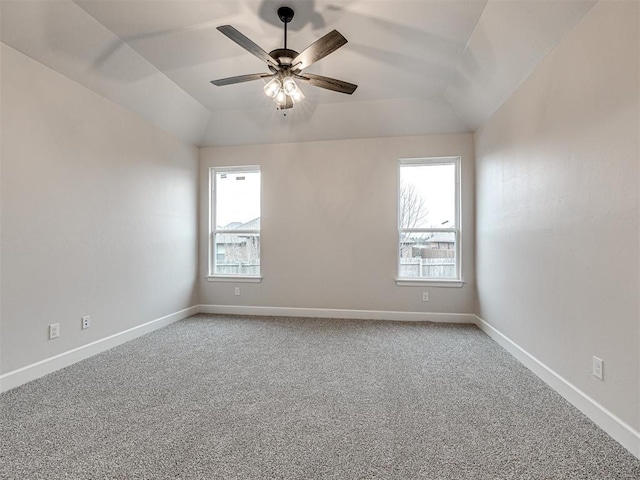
[(422, 66)]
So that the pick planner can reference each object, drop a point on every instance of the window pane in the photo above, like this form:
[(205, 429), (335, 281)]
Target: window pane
[(427, 196), (237, 198), (237, 254), (428, 255)]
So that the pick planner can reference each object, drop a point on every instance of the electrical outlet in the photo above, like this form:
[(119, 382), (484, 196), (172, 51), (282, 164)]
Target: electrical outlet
[(237, 291), (86, 322), (54, 331), (425, 296), (598, 365)]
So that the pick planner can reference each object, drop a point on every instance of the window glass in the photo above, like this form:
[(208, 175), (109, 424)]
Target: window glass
[(237, 198), (428, 219), (427, 196), (236, 222), (428, 255)]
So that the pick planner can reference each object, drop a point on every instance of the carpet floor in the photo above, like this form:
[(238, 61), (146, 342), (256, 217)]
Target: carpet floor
[(223, 397)]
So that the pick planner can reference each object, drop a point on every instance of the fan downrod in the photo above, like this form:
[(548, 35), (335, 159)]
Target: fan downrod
[(286, 15)]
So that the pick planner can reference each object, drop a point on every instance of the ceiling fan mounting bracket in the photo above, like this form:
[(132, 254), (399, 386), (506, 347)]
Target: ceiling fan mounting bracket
[(285, 14)]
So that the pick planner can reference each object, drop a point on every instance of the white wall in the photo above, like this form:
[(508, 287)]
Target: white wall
[(329, 227), (557, 210), (99, 215)]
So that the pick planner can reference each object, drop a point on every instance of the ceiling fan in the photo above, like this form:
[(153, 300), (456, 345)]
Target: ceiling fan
[(286, 65)]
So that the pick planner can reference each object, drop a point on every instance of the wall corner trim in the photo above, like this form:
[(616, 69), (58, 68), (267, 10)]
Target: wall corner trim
[(339, 313), (39, 369), (615, 427)]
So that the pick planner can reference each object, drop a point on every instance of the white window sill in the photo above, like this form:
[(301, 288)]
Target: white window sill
[(416, 282), (233, 278)]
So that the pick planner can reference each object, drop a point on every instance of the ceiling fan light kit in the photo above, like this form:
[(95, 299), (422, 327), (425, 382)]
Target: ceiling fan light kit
[(286, 65), (282, 86)]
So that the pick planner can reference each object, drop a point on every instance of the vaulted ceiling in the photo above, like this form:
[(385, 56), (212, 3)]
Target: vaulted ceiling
[(423, 67)]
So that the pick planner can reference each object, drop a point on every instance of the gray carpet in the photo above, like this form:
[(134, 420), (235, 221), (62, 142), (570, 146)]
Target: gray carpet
[(254, 398)]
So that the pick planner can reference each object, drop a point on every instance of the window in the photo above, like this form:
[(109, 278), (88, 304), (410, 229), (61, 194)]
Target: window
[(234, 248), (429, 221)]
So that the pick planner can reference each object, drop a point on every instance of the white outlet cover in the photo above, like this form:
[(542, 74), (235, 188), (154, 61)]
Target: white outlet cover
[(54, 331), (598, 365)]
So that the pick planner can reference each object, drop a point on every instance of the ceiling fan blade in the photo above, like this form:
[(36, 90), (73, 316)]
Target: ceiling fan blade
[(319, 49), (248, 44), (328, 83), (241, 78)]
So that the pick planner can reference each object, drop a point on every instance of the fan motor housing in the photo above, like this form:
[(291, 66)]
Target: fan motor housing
[(283, 56)]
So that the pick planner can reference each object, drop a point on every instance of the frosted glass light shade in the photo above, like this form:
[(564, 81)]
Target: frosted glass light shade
[(291, 89), (272, 88)]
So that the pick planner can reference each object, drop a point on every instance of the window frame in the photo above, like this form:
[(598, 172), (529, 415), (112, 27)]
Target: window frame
[(457, 230), (213, 230)]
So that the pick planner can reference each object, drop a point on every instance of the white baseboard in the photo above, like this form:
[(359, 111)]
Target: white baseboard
[(338, 313), (36, 370), (28, 373), (620, 431)]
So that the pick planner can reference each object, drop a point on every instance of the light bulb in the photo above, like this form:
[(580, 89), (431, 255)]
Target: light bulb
[(280, 97), (272, 88), (291, 89), (289, 86), (297, 95)]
